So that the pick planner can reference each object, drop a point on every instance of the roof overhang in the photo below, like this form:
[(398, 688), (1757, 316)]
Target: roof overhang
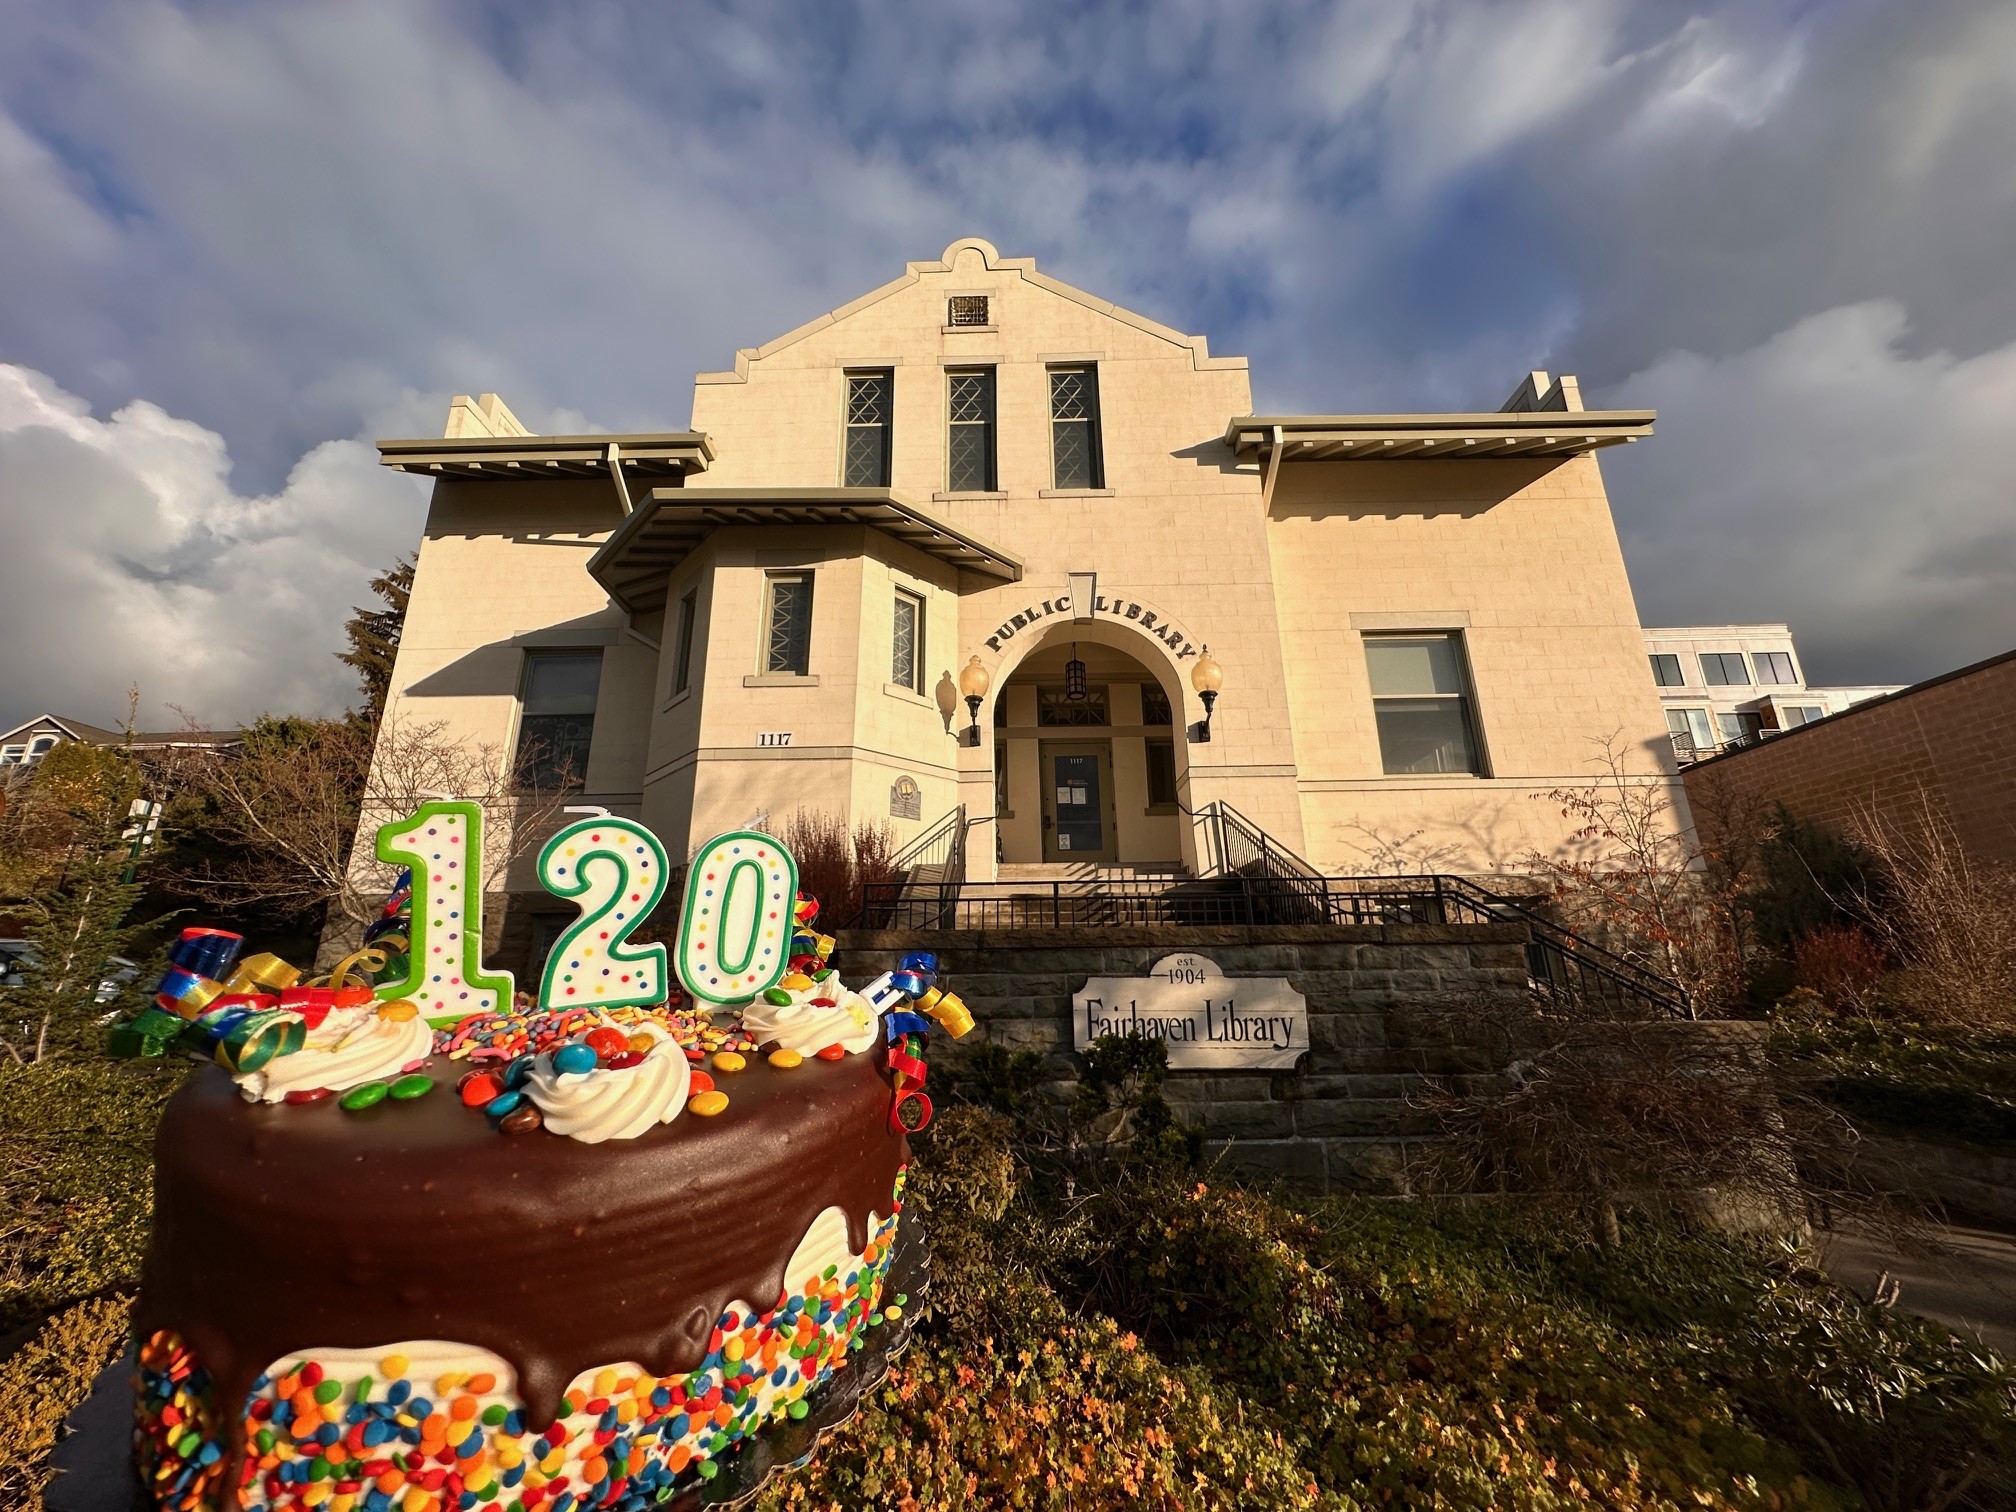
[(636, 562), (1387, 438), (506, 459)]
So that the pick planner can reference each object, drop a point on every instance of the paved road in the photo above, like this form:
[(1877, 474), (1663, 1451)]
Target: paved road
[(1963, 1277)]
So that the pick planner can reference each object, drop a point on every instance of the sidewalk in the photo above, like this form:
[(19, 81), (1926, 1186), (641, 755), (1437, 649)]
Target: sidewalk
[(1963, 1277)]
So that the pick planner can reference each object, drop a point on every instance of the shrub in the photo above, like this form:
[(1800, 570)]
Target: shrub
[(47, 1380), (837, 864)]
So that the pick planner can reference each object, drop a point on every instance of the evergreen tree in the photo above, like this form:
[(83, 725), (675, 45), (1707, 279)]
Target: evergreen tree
[(76, 916), (374, 636)]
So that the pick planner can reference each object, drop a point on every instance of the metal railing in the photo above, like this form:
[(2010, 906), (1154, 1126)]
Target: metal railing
[(930, 870)]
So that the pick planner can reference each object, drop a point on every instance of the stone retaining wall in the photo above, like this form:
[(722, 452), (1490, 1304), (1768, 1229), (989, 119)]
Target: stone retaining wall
[(1341, 1120)]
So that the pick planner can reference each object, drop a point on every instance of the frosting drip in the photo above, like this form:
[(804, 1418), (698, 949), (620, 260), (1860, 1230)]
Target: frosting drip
[(613, 1102), (348, 1048)]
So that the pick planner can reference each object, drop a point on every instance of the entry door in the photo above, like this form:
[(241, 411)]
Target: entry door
[(1077, 802)]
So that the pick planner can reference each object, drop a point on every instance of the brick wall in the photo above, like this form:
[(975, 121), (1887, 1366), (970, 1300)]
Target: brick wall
[(1341, 1121), (1951, 739)]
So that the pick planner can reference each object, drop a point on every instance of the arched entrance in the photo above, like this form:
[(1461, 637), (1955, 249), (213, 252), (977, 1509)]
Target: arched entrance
[(1093, 779)]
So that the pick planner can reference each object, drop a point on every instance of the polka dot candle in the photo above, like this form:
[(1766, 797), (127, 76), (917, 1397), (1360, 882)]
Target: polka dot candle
[(616, 871), (735, 928), (443, 845)]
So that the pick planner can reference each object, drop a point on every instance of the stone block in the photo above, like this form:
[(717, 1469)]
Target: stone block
[(1372, 1167), (1353, 1117), (1297, 1162), (1347, 1031), (1218, 1086), (1240, 1120)]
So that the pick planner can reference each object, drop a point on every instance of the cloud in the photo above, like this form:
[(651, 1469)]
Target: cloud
[(1857, 491), (127, 559)]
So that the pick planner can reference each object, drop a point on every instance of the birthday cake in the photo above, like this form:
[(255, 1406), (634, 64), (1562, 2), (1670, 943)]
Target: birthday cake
[(543, 1254)]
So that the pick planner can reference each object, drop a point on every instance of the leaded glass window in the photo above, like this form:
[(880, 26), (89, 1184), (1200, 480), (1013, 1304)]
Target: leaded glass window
[(970, 435), (1154, 705), (1074, 428), (966, 310), (787, 639), (870, 402), (906, 651), (556, 721), (1054, 708)]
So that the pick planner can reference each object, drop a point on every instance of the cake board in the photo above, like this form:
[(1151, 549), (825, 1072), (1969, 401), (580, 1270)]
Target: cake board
[(94, 1458)]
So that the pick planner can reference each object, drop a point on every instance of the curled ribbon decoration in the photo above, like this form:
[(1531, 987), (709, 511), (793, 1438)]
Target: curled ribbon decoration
[(909, 1031), (907, 1070)]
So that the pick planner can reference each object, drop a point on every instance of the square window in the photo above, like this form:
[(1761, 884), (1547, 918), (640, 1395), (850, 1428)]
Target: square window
[(906, 651), (1691, 730), (557, 723), (1775, 667), (966, 310), (1724, 669), (1421, 703), (1666, 670), (787, 623), (1155, 705)]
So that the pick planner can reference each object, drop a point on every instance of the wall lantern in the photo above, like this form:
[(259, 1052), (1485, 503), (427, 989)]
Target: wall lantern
[(1207, 677), (973, 682), (1074, 677)]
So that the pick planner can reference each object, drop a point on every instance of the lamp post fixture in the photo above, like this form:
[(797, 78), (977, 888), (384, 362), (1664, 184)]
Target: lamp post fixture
[(1207, 677), (973, 682), (1074, 678)]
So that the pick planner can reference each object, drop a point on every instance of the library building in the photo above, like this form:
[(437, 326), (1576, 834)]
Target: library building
[(981, 551)]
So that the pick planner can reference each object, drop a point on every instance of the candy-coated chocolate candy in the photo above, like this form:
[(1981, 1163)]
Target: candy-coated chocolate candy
[(784, 1060), (707, 1104), (777, 997), (367, 1096), (517, 1071), (398, 1011), (822, 973), (504, 1104), (698, 1082), (799, 1408), (302, 1096), (607, 1042), (409, 1087), (825, 1002), (728, 1060), (623, 1060), (523, 1119), (573, 1058), (479, 1088), (642, 1043), (795, 981), (833, 1053)]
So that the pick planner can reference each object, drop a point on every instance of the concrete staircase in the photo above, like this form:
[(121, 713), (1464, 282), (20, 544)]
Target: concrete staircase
[(1089, 873)]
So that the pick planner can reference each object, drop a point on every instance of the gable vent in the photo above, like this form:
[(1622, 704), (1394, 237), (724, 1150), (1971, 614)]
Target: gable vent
[(967, 310)]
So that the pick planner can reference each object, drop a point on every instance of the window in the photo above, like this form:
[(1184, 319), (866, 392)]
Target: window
[(966, 310), (787, 623), (1161, 773), (906, 650), (1741, 725), (1074, 428), (1724, 669), (1421, 702), (969, 447), (1691, 730), (1794, 715), (1775, 667), (1154, 705), (1666, 670), (682, 655), (558, 719), (1054, 709), (870, 402), (1001, 777), (11, 755)]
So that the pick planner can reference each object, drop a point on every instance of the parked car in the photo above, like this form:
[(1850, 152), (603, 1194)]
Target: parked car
[(16, 956)]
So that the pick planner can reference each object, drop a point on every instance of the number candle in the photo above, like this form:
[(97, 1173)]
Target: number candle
[(735, 926), (616, 870), (443, 845)]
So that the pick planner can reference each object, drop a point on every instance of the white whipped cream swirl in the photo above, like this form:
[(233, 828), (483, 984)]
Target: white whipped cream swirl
[(350, 1047), (826, 1013), (613, 1103)]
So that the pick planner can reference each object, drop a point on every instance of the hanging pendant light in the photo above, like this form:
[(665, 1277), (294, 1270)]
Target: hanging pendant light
[(1074, 677)]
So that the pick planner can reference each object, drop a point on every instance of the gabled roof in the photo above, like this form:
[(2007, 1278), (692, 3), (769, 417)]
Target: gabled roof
[(1199, 347), (635, 563), (90, 734)]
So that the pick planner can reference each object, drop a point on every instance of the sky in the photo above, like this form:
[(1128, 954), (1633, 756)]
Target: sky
[(239, 241)]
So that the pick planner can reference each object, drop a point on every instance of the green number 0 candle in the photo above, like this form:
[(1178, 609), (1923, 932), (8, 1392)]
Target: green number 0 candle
[(442, 844), (616, 871), (735, 926)]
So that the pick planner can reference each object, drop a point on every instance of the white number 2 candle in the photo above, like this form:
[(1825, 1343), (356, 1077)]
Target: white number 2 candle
[(616, 871)]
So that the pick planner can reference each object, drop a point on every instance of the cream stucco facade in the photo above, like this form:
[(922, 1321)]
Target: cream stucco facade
[(1468, 561)]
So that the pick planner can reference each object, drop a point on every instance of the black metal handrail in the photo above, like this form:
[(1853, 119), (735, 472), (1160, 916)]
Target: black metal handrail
[(935, 844)]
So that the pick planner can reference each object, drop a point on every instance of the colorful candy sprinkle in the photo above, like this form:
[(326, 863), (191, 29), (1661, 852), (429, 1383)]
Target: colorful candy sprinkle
[(369, 1095), (784, 1060), (707, 1104), (729, 1060), (409, 1087)]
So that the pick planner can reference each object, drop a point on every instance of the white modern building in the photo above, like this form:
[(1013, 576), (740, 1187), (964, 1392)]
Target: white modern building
[(1725, 685)]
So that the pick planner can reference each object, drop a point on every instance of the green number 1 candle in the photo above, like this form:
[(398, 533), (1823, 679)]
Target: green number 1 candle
[(442, 844), (616, 870)]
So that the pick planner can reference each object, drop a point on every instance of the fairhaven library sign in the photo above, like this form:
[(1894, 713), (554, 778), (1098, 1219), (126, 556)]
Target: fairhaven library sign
[(1209, 1021)]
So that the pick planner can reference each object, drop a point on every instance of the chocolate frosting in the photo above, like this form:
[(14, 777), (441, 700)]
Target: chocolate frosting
[(283, 1229)]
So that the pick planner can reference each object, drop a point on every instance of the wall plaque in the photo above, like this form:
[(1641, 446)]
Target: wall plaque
[(1208, 1020), (906, 799)]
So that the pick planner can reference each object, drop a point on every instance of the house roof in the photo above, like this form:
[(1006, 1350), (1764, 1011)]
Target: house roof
[(509, 459), (90, 734), (1387, 438), (668, 523)]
